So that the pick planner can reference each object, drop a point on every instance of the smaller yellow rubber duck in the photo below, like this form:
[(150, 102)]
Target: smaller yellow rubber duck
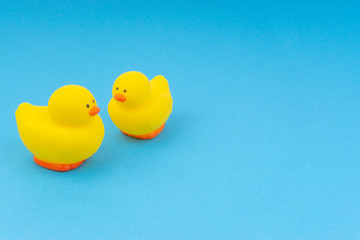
[(139, 107), (65, 133)]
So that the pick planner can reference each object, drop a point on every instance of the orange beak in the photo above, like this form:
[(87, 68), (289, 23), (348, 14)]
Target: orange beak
[(120, 97), (95, 110)]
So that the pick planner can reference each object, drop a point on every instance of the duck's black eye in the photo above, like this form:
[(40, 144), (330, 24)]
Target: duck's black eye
[(117, 88), (93, 101), (124, 90), (87, 105)]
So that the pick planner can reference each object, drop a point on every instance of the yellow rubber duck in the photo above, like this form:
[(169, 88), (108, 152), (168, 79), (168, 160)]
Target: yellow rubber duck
[(139, 107), (65, 133)]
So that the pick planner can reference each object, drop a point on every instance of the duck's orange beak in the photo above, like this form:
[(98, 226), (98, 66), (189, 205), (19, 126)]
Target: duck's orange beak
[(95, 110), (120, 97)]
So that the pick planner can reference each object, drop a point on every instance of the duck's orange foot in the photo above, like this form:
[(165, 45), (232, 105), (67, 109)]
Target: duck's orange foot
[(147, 136), (56, 166)]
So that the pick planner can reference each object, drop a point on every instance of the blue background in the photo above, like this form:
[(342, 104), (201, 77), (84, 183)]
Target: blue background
[(263, 141)]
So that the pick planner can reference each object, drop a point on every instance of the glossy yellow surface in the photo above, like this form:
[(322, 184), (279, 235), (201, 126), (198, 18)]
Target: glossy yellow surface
[(66, 131), (140, 106)]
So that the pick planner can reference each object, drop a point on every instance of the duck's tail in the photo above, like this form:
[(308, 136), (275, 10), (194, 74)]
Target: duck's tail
[(22, 110), (159, 83)]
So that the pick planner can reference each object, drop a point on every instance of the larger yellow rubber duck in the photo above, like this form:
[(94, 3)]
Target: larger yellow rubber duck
[(65, 133), (139, 107)]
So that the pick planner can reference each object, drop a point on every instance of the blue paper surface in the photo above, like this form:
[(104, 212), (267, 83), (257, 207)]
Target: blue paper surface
[(262, 143)]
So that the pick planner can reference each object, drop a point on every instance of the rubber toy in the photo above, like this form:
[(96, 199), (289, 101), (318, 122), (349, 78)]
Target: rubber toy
[(65, 133), (139, 107)]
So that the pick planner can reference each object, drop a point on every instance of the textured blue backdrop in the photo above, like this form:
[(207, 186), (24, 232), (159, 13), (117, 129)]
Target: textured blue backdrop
[(263, 141)]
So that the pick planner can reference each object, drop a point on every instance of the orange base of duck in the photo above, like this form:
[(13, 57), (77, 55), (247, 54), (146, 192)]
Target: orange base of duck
[(56, 166), (147, 136)]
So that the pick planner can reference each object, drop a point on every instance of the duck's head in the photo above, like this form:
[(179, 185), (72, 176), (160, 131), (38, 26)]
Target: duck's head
[(72, 105), (131, 89)]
